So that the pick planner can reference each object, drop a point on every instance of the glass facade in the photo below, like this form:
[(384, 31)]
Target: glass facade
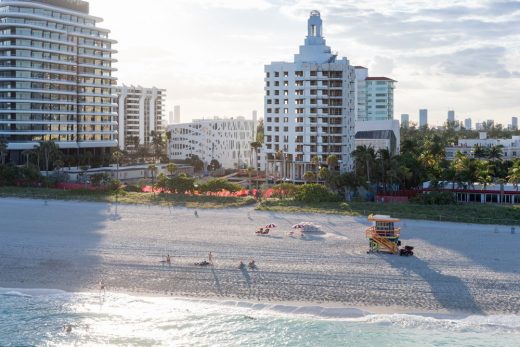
[(55, 76)]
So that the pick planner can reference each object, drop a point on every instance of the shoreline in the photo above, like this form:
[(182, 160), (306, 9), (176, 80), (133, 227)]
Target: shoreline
[(332, 311)]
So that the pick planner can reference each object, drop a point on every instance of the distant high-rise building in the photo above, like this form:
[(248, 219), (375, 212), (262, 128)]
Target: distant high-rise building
[(423, 117), (309, 108), (478, 126), (176, 114), (140, 112), (56, 78), (514, 123), (405, 120), (451, 116), (467, 123)]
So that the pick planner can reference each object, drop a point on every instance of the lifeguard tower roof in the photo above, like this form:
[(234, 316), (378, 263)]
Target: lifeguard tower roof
[(382, 218)]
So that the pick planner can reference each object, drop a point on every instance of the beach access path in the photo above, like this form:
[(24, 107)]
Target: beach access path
[(75, 245)]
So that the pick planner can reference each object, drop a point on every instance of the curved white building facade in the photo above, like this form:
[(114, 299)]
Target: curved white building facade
[(56, 76), (226, 140)]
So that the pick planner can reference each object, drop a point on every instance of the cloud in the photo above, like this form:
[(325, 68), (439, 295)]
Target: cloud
[(487, 61), (235, 4)]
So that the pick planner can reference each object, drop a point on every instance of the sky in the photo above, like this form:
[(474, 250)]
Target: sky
[(210, 54)]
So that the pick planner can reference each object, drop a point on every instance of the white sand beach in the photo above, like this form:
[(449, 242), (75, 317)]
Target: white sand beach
[(75, 245)]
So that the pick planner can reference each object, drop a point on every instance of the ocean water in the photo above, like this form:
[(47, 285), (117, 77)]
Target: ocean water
[(39, 318)]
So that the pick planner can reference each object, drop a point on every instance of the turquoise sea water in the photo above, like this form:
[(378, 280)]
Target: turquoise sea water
[(38, 318)]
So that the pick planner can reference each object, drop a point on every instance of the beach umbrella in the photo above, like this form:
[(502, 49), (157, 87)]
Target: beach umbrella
[(297, 226), (270, 226)]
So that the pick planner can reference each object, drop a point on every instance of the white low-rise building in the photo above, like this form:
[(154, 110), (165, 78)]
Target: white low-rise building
[(510, 147), (226, 140)]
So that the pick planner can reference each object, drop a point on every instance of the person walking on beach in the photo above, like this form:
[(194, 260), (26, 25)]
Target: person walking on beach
[(210, 258), (168, 260)]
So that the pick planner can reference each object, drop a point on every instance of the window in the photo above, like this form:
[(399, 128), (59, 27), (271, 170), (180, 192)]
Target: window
[(314, 73), (286, 74), (276, 74)]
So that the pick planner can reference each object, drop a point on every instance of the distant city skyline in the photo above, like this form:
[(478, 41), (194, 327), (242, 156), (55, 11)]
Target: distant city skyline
[(210, 55)]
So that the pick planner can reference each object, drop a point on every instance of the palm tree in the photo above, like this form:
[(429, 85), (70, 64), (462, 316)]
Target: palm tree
[(117, 156), (514, 174), (3, 149), (255, 145), (157, 143), (364, 156), (315, 162), (152, 169), (171, 168), (480, 151), (484, 172), (495, 153), (48, 150), (332, 162), (27, 154), (309, 176)]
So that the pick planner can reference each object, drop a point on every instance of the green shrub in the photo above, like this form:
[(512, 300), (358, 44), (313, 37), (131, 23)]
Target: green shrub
[(131, 188), (435, 198), (217, 185), (313, 193)]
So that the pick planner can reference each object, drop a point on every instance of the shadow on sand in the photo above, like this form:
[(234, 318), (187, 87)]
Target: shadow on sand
[(449, 291)]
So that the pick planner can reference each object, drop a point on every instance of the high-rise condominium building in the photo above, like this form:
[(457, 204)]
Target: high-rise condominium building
[(380, 98), (140, 112), (451, 117), (309, 108), (225, 140), (514, 123), (374, 96), (55, 77), (467, 123), (405, 120), (423, 118)]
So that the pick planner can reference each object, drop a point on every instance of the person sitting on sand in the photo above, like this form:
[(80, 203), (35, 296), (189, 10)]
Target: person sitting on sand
[(252, 264), (241, 265), (260, 231)]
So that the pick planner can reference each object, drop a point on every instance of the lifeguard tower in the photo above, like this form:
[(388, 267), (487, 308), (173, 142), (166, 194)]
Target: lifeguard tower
[(383, 235)]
